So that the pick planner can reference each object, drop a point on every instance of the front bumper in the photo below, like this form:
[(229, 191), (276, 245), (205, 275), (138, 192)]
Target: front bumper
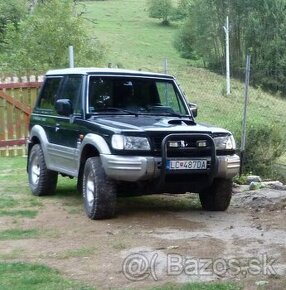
[(139, 168), (228, 166)]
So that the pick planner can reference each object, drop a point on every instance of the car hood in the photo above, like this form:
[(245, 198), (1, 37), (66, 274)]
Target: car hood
[(151, 123)]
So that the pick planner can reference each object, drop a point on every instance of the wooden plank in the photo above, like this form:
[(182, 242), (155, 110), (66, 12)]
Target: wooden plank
[(26, 124), (10, 121), (18, 123), (2, 120), (19, 85), (16, 103), (34, 93), (18, 127), (8, 143)]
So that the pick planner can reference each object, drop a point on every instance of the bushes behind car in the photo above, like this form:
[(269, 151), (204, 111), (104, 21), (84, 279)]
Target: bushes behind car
[(264, 145)]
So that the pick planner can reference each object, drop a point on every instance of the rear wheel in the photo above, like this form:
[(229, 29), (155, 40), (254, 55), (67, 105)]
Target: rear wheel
[(217, 197), (42, 181), (99, 192)]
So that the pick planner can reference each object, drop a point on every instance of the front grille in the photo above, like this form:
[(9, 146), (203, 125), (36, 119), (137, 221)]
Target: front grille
[(177, 147)]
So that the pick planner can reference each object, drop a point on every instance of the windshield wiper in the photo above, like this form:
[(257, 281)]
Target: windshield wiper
[(114, 109)]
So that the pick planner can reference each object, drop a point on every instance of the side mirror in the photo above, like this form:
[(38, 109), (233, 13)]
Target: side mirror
[(194, 109), (64, 107)]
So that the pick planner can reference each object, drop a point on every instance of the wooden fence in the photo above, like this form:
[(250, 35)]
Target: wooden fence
[(17, 98)]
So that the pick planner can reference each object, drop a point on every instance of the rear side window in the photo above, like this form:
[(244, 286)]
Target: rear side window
[(72, 90), (49, 93)]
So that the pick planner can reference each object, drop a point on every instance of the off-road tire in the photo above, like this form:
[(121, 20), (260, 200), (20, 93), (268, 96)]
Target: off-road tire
[(99, 191), (42, 181), (217, 197)]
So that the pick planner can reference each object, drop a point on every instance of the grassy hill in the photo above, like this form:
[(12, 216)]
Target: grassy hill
[(135, 41)]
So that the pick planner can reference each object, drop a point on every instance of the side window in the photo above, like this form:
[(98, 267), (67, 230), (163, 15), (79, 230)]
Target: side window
[(49, 93), (168, 97), (100, 93), (72, 89)]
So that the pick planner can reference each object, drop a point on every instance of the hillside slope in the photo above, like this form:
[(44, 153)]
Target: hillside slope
[(135, 41)]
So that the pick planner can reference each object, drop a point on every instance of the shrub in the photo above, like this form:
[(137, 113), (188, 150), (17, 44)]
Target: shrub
[(264, 144)]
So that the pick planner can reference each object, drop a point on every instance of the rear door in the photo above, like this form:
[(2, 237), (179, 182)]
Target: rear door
[(44, 113)]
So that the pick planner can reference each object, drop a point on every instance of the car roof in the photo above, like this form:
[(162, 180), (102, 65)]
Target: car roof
[(105, 71)]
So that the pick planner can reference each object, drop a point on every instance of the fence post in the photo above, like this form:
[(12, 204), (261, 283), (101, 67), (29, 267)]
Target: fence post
[(246, 100), (165, 65), (71, 56)]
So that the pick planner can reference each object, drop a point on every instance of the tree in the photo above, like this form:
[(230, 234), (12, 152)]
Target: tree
[(12, 12), (161, 9), (199, 35), (258, 27), (182, 9), (266, 41), (41, 40)]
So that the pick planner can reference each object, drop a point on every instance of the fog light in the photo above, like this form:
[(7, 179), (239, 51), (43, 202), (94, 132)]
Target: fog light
[(173, 144), (201, 143)]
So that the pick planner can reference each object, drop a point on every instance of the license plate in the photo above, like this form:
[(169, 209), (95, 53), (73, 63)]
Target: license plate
[(198, 164)]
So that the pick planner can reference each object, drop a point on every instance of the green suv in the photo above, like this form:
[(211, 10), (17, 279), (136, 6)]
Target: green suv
[(125, 132)]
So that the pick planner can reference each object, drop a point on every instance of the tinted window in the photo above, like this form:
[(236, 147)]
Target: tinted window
[(49, 93), (168, 97), (72, 89)]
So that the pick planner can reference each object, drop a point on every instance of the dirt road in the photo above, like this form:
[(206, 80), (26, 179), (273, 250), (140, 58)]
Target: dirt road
[(159, 239)]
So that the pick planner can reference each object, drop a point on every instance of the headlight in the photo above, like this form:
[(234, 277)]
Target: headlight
[(121, 142), (225, 143)]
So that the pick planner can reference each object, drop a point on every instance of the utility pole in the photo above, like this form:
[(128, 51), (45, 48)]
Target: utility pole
[(246, 101), (226, 30)]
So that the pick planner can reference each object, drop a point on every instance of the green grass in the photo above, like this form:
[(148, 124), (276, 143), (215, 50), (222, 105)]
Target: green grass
[(15, 198), (10, 164), (133, 39), (13, 179), (8, 202), (19, 213), (23, 276), (136, 41), (18, 234)]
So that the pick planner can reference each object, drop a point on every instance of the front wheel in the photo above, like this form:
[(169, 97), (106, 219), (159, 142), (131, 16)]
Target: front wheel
[(42, 181), (217, 197), (99, 192)]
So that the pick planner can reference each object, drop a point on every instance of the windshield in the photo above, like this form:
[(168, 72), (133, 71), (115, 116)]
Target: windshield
[(121, 95)]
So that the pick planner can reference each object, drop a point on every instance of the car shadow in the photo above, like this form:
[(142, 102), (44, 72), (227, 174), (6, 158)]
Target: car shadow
[(158, 203)]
